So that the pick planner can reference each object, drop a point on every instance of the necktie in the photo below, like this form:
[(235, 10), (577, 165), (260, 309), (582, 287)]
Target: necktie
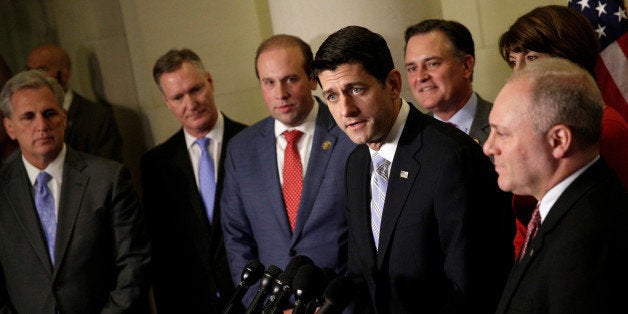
[(206, 177), (533, 228), (292, 176), (45, 204), (379, 184)]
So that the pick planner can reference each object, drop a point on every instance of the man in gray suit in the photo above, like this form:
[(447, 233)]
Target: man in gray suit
[(257, 194), (439, 59), (72, 238)]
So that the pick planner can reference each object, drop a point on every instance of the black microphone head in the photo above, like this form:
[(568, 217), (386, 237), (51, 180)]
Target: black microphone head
[(340, 292), (270, 274), (251, 273), (307, 282), (293, 266)]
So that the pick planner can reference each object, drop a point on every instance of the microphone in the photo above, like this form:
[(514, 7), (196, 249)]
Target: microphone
[(282, 289), (307, 284), (250, 275), (266, 284), (328, 275), (338, 295)]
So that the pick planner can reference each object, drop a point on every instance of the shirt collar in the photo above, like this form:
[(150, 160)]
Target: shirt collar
[(548, 200), (307, 127), (67, 99), (388, 149), (463, 118), (215, 134), (54, 169)]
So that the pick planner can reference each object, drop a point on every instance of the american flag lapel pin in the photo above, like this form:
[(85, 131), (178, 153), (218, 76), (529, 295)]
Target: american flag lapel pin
[(403, 174)]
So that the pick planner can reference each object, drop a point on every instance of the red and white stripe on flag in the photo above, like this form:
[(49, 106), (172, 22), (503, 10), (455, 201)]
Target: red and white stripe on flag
[(610, 22)]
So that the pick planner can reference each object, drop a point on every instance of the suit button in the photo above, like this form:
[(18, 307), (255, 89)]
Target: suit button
[(293, 253)]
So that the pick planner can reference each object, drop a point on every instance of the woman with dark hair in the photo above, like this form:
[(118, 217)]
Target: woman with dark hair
[(560, 31)]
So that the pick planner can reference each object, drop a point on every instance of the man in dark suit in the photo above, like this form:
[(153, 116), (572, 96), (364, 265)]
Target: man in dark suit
[(545, 129), (439, 59), (72, 236), (255, 207), (425, 225), (190, 271), (91, 126)]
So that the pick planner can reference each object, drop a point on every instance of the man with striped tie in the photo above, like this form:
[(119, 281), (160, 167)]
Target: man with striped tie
[(425, 228)]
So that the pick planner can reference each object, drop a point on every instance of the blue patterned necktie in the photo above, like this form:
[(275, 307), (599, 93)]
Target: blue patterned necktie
[(206, 177), (379, 184), (45, 204)]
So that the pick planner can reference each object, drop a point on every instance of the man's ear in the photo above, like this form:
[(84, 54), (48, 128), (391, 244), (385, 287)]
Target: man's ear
[(560, 139), (393, 81), (468, 62), (8, 126)]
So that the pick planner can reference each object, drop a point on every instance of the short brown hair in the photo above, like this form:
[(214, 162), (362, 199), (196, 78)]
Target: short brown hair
[(172, 61), (557, 30), (285, 41)]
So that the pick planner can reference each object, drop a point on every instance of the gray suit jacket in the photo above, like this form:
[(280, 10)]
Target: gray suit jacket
[(102, 249), (92, 129), (480, 128), (254, 217)]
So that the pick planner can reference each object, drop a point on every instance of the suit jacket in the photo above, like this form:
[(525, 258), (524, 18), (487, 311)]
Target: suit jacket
[(92, 129), (444, 243), (102, 249), (189, 261), (255, 222), (480, 129), (576, 262)]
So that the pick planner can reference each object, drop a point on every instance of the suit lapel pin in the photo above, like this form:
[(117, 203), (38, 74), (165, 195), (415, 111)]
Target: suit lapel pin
[(476, 140), (403, 174), (326, 145)]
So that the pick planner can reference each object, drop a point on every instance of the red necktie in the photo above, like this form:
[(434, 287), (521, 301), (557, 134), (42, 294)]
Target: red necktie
[(533, 228), (292, 176)]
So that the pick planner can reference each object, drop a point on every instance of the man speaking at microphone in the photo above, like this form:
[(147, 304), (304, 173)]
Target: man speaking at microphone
[(425, 233)]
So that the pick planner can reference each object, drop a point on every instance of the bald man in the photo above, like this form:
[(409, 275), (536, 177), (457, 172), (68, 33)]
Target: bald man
[(91, 126)]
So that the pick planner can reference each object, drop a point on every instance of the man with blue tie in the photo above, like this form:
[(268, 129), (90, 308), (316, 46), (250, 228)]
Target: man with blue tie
[(284, 175), (181, 180), (72, 236)]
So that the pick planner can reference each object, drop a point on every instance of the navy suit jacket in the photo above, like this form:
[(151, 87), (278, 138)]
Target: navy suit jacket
[(445, 240), (102, 249), (189, 260), (577, 261), (254, 217)]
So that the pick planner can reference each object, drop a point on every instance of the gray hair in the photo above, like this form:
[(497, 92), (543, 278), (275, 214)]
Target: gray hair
[(563, 93), (32, 79)]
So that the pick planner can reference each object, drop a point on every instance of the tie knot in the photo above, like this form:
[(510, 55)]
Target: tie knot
[(202, 142), (292, 136), (380, 164), (43, 178)]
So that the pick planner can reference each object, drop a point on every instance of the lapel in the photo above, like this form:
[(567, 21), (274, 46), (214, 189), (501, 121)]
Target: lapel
[(360, 193), (323, 145), (19, 192), (271, 195), (72, 190), (480, 128), (565, 202), (403, 173)]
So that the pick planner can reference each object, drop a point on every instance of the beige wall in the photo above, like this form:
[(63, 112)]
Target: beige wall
[(115, 43)]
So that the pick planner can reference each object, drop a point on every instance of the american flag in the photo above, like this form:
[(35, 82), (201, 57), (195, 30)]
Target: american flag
[(610, 22)]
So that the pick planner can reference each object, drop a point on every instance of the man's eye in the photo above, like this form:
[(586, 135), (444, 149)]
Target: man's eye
[(357, 90)]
